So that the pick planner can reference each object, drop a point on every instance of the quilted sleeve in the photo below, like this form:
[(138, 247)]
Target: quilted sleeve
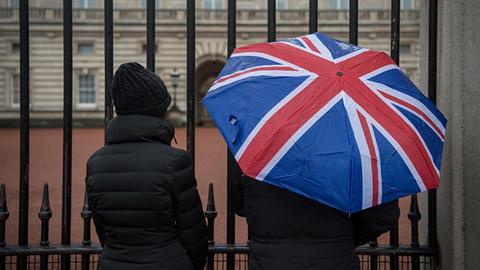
[(371, 223)]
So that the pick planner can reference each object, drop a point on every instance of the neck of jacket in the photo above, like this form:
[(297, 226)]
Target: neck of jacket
[(139, 128)]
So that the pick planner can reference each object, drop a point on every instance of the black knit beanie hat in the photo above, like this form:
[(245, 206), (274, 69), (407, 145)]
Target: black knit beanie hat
[(137, 90)]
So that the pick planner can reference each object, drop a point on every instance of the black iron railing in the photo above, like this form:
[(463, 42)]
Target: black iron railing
[(230, 255)]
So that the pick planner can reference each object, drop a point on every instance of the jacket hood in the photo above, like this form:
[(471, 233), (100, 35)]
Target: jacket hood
[(139, 128)]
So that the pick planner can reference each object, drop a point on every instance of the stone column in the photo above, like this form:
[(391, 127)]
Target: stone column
[(459, 99)]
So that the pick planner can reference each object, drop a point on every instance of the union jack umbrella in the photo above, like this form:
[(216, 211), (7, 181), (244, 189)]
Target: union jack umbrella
[(337, 123)]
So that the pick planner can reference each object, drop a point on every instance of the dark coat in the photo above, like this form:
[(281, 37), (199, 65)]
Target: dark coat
[(289, 231), (145, 203)]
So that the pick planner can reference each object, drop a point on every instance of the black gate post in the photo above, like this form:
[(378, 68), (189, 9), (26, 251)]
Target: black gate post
[(24, 131), (271, 20), (432, 94), (67, 130), (108, 50), (313, 16), (353, 22), (231, 44), (394, 53), (191, 79), (151, 43)]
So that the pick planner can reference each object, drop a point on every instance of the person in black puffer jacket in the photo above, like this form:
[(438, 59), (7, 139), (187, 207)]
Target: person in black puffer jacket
[(291, 232), (142, 192)]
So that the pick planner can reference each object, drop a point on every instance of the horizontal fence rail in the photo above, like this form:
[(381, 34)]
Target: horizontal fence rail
[(229, 255)]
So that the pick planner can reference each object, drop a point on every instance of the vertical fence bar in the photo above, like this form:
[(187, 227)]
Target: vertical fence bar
[(108, 50), (4, 214), (151, 43), (432, 94), (373, 258), (86, 215), (67, 130), (231, 44), (44, 215), (210, 214), (394, 53), (414, 216), (24, 130), (272, 20), (313, 16), (353, 22), (191, 79)]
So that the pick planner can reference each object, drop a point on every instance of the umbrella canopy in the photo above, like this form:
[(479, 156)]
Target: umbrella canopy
[(337, 123)]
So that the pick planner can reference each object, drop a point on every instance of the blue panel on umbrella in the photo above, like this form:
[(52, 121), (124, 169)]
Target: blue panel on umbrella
[(397, 80), (295, 42), (397, 180), (314, 165), (245, 100), (433, 142), (235, 64), (337, 48)]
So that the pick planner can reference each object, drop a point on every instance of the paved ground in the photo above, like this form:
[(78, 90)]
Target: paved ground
[(46, 164)]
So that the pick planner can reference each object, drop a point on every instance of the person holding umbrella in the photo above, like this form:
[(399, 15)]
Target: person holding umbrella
[(289, 231), (142, 192), (326, 137)]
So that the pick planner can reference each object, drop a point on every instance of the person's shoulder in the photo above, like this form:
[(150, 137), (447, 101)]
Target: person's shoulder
[(181, 159), (100, 152)]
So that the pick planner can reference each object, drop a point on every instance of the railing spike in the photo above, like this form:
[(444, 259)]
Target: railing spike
[(44, 215), (3, 201), (414, 216), (4, 214), (211, 201), (86, 215), (210, 214), (45, 210)]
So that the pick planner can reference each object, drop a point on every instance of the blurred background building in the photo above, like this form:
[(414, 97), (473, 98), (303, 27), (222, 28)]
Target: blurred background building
[(46, 46)]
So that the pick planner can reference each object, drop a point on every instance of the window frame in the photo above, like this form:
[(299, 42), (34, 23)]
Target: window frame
[(411, 7), (214, 5), (338, 4), (285, 2), (143, 4), (9, 3), (80, 43), (86, 106), (85, 4), (11, 91)]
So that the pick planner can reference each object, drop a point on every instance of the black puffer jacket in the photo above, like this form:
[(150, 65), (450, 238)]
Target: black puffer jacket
[(146, 207), (289, 231)]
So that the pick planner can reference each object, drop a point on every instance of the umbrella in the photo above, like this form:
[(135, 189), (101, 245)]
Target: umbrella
[(337, 123)]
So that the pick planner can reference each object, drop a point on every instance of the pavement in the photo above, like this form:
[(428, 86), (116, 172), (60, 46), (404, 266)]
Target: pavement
[(46, 167)]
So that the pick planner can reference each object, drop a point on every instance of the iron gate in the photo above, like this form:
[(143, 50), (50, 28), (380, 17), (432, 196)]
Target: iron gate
[(229, 255)]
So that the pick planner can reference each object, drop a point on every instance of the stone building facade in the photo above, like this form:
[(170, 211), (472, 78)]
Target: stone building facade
[(46, 45)]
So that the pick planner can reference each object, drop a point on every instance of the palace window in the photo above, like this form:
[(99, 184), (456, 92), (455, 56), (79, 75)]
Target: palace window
[(13, 3), (15, 48), (407, 4), (405, 50), (15, 90), (339, 4), (85, 4), (213, 4), (143, 4), (281, 4), (86, 91), (85, 48)]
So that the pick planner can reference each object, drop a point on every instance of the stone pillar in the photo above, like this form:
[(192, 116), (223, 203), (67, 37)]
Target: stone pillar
[(459, 99)]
